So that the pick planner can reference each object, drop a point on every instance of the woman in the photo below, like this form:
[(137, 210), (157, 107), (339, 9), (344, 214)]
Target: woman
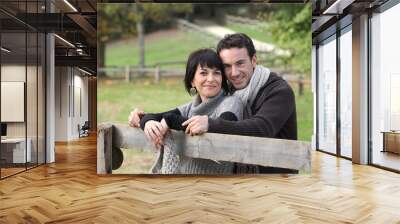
[(205, 79)]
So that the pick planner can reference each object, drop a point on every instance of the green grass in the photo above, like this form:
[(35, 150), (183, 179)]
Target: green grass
[(256, 33), (117, 98), (304, 110), (175, 46), (164, 48), (136, 162)]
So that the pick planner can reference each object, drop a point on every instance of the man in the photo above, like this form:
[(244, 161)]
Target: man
[(270, 102)]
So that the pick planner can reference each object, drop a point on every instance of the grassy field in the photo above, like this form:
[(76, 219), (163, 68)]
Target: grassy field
[(255, 33), (159, 47), (117, 98)]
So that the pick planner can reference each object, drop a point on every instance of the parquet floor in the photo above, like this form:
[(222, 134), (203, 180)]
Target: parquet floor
[(9, 171), (69, 191)]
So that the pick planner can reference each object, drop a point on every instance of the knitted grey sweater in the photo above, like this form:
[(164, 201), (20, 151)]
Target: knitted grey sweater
[(170, 158)]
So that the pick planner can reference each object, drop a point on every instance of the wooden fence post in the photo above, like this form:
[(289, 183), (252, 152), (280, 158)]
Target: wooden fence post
[(157, 74), (127, 75), (301, 85), (104, 149)]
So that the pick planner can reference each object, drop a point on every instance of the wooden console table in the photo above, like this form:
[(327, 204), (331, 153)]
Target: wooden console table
[(391, 141)]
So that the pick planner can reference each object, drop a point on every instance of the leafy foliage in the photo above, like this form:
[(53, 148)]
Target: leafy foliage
[(290, 28), (119, 20)]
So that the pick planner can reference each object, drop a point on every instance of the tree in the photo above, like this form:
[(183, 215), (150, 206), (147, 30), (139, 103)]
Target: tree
[(290, 28), (131, 19)]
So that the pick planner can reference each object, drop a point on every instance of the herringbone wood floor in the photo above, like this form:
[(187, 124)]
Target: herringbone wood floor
[(69, 191)]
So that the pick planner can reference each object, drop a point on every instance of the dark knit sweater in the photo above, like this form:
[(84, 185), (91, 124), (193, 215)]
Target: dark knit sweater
[(174, 118), (273, 114)]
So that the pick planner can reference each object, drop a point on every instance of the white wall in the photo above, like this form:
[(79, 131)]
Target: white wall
[(17, 73), (80, 110), (61, 103), (71, 93), (33, 126)]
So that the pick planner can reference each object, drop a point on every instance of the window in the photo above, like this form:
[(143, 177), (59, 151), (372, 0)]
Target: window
[(346, 92), (385, 85), (327, 95), (22, 76)]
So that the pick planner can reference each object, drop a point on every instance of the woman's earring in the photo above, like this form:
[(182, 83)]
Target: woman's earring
[(193, 91)]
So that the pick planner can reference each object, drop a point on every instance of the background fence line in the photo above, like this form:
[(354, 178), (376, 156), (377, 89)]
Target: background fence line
[(129, 73)]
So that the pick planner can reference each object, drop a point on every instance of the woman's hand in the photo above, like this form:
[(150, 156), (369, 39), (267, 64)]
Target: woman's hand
[(165, 127), (155, 132), (134, 117), (196, 125)]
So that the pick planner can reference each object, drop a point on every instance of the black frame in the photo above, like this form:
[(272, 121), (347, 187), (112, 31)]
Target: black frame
[(382, 8), (326, 40), (27, 30), (340, 28), (341, 32), (337, 28), (338, 74)]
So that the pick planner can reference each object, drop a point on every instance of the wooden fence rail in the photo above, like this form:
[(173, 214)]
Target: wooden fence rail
[(127, 73), (242, 149)]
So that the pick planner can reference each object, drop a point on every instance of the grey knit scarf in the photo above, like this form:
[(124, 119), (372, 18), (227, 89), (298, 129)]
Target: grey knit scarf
[(206, 107), (170, 157), (258, 79)]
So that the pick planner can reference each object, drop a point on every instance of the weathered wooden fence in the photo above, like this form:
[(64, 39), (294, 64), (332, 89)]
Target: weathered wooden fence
[(129, 73), (242, 149)]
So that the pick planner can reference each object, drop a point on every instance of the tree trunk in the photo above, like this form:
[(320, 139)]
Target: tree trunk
[(140, 31), (101, 57)]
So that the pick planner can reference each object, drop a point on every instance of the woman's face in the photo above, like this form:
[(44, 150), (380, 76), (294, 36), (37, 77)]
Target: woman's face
[(207, 81)]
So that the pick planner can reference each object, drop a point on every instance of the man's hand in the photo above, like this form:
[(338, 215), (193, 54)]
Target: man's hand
[(196, 125), (134, 117), (155, 131)]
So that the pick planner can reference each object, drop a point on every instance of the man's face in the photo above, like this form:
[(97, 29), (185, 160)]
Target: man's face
[(238, 66)]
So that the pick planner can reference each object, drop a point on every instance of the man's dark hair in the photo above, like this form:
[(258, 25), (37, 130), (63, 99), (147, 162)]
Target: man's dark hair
[(237, 40), (204, 57)]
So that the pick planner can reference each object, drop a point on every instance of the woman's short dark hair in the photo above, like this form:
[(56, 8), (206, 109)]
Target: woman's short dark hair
[(204, 57), (237, 40)]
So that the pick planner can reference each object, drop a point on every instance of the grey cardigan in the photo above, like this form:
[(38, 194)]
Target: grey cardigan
[(170, 159)]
